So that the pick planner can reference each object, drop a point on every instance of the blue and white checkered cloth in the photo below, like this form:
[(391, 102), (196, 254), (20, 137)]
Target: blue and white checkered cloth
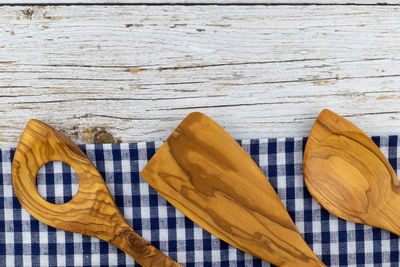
[(24, 241)]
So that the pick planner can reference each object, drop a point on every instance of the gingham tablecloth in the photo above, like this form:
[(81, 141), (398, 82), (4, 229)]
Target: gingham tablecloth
[(24, 241)]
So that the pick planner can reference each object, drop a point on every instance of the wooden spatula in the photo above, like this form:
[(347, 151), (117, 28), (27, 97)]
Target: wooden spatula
[(91, 211), (349, 176), (205, 174)]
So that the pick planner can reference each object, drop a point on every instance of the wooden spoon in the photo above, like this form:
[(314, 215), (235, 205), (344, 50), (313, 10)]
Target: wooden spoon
[(91, 211), (206, 174), (349, 176)]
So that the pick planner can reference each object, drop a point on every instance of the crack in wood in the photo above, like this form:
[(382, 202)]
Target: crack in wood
[(109, 99), (127, 118), (240, 63), (232, 105)]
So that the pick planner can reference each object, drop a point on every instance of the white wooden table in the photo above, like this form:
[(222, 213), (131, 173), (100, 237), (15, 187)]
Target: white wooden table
[(131, 71)]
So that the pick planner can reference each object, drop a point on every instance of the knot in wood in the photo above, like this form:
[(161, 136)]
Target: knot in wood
[(103, 137)]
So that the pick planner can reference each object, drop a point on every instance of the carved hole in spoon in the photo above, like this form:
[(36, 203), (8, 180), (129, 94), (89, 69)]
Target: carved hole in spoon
[(57, 182)]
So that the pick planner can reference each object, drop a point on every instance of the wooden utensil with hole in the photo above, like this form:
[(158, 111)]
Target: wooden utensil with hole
[(91, 211), (349, 176), (206, 174)]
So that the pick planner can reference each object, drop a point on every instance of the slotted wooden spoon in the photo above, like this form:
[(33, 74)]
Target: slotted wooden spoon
[(91, 211), (349, 176), (205, 173)]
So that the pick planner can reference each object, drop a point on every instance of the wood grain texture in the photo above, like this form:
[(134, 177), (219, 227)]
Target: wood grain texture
[(225, 2), (349, 176), (91, 211), (205, 174), (260, 71)]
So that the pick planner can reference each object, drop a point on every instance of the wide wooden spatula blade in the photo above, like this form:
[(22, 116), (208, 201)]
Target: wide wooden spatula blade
[(205, 174)]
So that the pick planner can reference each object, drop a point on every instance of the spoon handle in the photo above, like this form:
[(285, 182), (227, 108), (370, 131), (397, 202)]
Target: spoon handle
[(388, 215), (142, 251)]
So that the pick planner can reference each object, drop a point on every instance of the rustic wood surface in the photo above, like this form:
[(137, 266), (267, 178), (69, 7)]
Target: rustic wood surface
[(132, 73), (190, 2), (349, 176), (207, 175), (91, 211)]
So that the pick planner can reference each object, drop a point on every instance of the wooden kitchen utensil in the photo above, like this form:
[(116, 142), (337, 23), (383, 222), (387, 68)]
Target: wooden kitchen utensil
[(205, 174), (91, 211), (349, 176)]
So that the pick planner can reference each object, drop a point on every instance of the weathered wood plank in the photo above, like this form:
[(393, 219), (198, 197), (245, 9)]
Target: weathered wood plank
[(137, 71), (228, 2)]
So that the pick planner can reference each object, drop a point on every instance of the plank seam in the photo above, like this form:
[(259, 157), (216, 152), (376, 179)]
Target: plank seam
[(197, 4)]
